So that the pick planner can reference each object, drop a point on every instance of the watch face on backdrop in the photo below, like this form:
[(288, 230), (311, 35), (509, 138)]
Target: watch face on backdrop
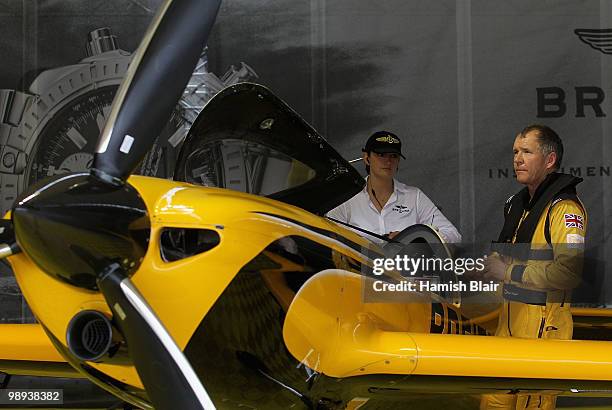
[(67, 142), (54, 129)]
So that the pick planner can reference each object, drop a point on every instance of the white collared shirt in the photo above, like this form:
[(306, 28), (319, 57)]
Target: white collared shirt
[(406, 206)]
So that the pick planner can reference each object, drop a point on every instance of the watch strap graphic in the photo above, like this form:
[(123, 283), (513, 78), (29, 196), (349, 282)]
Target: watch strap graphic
[(13, 157)]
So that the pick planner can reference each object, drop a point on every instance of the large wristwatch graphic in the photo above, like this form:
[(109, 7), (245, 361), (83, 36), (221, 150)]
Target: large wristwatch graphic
[(53, 128)]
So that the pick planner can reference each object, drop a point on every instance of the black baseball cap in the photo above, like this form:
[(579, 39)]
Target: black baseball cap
[(383, 142)]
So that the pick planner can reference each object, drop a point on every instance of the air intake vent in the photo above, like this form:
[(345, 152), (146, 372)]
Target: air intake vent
[(89, 335), (180, 243)]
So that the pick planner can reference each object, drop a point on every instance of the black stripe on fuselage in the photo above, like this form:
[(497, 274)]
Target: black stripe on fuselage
[(330, 234)]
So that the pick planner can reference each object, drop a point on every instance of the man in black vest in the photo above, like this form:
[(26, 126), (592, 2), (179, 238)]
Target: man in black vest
[(538, 256)]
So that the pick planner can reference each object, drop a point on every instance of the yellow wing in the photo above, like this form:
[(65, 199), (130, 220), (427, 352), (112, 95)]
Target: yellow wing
[(25, 350)]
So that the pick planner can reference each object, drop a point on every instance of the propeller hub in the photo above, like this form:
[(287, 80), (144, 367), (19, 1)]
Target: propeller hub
[(75, 225)]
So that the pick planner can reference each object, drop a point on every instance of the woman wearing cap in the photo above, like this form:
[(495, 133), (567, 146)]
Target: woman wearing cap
[(386, 206)]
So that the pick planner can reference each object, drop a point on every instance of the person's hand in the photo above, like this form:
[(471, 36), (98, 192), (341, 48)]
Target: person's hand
[(495, 267), (393, 234)]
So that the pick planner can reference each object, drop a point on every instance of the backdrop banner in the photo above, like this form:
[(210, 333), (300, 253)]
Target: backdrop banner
[(456, 80)]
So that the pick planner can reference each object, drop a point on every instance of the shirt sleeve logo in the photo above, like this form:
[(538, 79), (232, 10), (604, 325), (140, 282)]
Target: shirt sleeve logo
[(574, 221), (400, 209)]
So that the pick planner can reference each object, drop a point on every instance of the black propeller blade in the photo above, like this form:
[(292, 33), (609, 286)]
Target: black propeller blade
[(168, 377), (153, 84)]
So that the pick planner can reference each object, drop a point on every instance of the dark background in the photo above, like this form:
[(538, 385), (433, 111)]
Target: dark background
[(455, 79)]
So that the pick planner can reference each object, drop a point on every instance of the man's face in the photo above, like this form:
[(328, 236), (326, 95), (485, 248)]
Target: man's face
[(382, 165), (530, 164)]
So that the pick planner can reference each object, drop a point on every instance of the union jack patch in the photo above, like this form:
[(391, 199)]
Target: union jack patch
[(574, 221)]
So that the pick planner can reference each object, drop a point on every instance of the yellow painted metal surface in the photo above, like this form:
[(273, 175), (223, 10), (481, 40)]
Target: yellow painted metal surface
[(39, 369), (27, 342), (331, 330), (179, 292), (598, 312), (491, 356), (26, 350), (327, 326)]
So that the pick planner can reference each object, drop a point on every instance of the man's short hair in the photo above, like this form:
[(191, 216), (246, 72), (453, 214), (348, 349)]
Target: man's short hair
[(548, 139)]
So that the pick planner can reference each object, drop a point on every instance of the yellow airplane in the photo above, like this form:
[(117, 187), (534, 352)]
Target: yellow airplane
[(174, 295)]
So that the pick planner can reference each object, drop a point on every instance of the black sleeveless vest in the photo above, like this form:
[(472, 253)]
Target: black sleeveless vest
[(554, 188)]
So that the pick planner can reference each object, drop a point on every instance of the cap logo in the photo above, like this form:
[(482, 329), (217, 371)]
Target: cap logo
[(389, 139)]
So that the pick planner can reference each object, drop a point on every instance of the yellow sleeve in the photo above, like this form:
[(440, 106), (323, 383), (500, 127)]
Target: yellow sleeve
[(568, 223)]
